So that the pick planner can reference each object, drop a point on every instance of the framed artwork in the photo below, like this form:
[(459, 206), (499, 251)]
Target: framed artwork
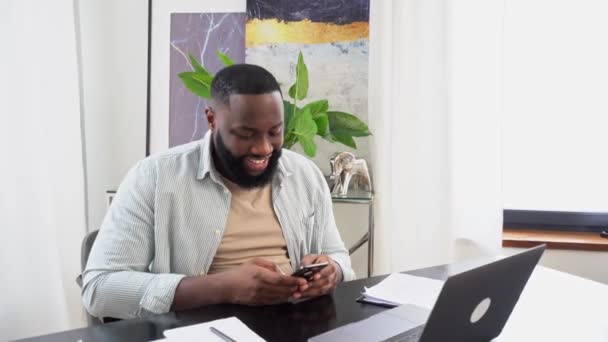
[(333, 36), (176, 28), (199, 34)]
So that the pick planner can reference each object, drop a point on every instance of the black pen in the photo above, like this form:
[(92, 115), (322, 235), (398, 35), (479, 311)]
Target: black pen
[(222, 335)]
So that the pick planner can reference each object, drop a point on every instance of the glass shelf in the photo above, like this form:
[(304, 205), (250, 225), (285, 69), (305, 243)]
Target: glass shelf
[(354, 196)]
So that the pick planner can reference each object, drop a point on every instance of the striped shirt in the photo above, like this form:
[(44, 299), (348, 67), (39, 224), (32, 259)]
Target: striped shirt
[(168, 218)]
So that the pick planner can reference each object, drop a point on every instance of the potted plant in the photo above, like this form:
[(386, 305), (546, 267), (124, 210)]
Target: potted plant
[(302, 124)]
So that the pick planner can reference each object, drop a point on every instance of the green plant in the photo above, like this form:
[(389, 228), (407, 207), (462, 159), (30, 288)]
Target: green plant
[(301, 124)]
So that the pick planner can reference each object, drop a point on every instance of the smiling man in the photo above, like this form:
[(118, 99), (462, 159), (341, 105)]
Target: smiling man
[(221, 220)]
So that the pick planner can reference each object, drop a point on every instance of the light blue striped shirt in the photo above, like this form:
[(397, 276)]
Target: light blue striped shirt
[(167, 220)]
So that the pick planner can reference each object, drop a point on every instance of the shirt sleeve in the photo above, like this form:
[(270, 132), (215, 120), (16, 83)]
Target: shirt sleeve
[(117, 282), (331, 241)]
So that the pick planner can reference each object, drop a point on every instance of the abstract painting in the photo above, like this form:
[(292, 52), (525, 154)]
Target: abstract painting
[(201, 34), (333, 36)]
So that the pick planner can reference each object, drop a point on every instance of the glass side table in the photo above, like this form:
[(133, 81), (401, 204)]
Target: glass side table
[(362, 198)]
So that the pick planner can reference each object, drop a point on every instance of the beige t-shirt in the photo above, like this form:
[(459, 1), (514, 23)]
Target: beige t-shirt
[(252, 231)]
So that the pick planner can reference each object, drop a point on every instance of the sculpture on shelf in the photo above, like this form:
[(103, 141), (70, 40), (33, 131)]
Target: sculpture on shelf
[(344, 167)]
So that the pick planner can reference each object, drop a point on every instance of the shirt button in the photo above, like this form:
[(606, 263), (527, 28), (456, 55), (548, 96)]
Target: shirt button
[(202, 273), (218, 232)]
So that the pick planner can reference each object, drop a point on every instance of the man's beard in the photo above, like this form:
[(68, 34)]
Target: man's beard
[(233, 168)]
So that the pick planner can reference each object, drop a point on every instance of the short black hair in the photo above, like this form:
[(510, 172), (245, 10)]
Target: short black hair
[(242, 79)]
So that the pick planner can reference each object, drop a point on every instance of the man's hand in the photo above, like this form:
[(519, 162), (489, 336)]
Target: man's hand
[(324, 281), (257, 282)]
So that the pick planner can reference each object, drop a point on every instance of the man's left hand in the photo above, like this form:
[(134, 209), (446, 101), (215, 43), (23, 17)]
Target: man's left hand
[(324, 281)]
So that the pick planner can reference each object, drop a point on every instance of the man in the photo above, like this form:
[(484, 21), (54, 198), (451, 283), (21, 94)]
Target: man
[(221, 220)]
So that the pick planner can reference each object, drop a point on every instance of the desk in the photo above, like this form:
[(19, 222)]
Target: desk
[(554, 307)]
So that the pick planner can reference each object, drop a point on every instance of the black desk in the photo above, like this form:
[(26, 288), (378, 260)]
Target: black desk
[(285, 322)]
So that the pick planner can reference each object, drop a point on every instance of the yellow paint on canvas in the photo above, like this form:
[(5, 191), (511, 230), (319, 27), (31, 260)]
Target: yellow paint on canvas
[(273, 31)]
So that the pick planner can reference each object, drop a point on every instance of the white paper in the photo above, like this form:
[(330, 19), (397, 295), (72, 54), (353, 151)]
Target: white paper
[(231, 326), (399, 288)]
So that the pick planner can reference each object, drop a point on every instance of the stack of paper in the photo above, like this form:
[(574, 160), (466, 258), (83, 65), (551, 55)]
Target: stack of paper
[(232, 327), (399, 288)]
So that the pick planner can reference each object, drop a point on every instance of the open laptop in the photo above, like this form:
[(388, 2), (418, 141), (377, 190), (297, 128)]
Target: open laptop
[(472, 306)]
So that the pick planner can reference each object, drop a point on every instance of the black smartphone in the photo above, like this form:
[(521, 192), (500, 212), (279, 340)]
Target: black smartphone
[(308, 271)]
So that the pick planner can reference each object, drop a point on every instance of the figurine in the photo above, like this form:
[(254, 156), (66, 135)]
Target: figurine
[(343, 168)]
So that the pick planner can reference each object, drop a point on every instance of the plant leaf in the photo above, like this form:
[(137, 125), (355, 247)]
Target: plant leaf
[(322, 125), (317, 108), (303, 131), (289, 140), (309, 146), (345, 139), (288, 112), (299, 90), (203, 79), (292, 90), (198, 68), (304, 125), (344, 124), (224, 58), (197, 83)]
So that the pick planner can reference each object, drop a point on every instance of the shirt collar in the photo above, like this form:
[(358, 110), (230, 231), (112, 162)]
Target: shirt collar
[(205, 160), (205, 165)]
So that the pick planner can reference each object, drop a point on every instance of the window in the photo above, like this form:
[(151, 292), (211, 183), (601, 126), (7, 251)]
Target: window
[(555, 123)]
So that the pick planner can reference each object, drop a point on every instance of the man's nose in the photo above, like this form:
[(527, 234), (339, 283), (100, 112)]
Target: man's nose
[(262, 147)]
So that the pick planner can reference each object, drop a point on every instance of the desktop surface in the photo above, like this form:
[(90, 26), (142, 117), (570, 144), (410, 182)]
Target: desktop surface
[(299, 322), (286, 322)]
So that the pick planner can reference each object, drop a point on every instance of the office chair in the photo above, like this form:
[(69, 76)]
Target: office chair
[(85, 250)]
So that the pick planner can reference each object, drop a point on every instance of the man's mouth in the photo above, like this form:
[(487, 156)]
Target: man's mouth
[(256, 165)]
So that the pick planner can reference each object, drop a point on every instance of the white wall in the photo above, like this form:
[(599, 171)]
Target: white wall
[(474, 42), (42, 196), (437, 144), (408, 116), (114, 43)]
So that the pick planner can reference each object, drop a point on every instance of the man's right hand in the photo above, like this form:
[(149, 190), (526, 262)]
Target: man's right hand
[(257, 282)]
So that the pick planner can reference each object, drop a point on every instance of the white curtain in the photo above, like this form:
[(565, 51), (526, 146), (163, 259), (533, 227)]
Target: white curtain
[(435, 111), (42, 206)]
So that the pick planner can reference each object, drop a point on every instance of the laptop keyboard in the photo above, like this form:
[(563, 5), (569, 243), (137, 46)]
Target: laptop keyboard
[(412, 335)]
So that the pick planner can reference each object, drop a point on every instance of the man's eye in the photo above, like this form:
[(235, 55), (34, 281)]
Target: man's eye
[(245, 135)]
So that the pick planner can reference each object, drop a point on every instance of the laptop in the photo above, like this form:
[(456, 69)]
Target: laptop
[(472, 306)]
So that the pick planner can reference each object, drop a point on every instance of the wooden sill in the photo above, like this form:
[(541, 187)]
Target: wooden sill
[(554, 239)]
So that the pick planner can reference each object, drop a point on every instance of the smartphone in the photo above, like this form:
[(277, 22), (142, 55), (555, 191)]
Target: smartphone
[(308, 271)]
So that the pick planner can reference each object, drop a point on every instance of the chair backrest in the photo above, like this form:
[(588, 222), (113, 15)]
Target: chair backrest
[(85, 250)]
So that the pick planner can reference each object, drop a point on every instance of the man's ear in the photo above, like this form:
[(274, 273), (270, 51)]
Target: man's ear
[(210, 114)]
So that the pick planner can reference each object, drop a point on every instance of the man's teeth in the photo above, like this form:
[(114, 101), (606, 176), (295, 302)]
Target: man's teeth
[(257, 161)]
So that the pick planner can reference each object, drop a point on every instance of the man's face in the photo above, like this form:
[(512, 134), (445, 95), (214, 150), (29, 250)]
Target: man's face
[(248, 137)]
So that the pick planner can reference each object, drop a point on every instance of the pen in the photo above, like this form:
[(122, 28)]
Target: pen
[(222, 335)]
